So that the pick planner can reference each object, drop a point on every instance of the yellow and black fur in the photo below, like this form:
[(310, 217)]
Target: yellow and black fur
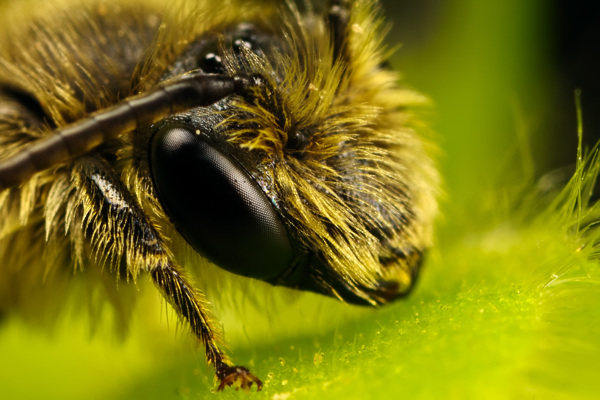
[(324, 129)]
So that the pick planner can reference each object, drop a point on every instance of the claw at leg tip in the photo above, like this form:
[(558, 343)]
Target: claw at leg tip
[(239, 376)]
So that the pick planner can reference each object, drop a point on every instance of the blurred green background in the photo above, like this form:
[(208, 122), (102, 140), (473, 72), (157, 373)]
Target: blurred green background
[(488, 320), (490, 68)]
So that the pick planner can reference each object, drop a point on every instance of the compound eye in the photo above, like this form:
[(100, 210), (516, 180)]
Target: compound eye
[(217, 207)]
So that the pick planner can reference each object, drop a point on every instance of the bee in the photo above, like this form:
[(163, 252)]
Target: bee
[(272, 139)]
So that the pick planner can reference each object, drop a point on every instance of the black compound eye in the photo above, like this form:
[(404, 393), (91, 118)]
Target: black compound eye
[(217, 207)]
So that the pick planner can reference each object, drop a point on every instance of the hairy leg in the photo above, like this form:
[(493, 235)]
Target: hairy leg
[(118, 230)]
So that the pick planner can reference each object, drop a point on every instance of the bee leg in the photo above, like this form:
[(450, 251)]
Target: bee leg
[(190, 304), (119, 231)]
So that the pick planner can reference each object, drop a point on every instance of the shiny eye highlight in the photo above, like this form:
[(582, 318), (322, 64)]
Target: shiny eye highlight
[(217, 206)]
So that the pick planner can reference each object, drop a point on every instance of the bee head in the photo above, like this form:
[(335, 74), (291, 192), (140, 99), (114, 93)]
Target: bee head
[(313, 177)]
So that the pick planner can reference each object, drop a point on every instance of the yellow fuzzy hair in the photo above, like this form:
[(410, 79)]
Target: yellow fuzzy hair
[(366, 166)]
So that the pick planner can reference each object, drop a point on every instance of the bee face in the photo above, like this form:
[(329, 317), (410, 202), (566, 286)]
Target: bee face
[(278, 147)]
